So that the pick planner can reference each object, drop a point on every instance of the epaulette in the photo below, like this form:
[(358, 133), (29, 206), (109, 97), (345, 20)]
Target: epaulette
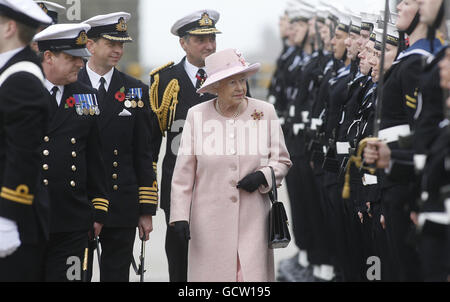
[(166, 110), (156, 70)]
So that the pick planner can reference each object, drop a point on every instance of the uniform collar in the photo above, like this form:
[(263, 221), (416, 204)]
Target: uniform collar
[(6, 56), (95, 77), (421, 47), (49, 85), (191, 71)]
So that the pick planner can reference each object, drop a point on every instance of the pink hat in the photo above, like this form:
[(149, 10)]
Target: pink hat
[(223, 64)]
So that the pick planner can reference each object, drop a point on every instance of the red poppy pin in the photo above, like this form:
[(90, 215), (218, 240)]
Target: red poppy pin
[(120, 95), (70, 102), (257, 115)]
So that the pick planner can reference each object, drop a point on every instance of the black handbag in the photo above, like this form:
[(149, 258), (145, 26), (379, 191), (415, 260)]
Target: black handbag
[(279, 236)]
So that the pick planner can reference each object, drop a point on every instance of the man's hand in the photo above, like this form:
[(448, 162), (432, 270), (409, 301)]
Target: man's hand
[(383, 222), (97, 229), (361, 217), (377, 152), (414, 218), (145, 226), (9, 237), (368, 209)]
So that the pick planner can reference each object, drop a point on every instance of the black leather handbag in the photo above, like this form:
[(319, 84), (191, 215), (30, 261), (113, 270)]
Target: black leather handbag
[(279, 236)]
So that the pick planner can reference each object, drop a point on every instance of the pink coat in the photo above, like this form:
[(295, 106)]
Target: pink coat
[(225, 221)]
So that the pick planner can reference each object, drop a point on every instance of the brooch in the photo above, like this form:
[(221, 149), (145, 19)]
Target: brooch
[(257, 115)]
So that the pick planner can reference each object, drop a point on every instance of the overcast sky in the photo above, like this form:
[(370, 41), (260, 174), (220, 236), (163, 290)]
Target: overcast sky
[(241, 22)]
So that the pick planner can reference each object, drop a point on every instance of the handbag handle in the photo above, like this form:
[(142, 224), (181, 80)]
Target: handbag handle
[(273, 194)]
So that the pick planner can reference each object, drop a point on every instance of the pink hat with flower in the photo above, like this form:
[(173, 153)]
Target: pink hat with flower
[(223, 64)]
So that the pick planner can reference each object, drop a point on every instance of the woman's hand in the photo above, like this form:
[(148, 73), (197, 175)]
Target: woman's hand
[(181, 228), (252, 181)]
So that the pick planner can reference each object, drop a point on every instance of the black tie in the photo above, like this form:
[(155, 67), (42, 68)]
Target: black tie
[(54, 102), (101, 89), (201, 77)]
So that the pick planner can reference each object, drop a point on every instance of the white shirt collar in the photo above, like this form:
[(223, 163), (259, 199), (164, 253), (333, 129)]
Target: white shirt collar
[(6, 56), (49, 85), (191, 71), (95, 77)]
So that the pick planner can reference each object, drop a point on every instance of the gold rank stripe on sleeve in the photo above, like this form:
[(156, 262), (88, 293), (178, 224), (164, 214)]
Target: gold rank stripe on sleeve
[(149, 194), (101, 204), (411, 102), (19, 195)]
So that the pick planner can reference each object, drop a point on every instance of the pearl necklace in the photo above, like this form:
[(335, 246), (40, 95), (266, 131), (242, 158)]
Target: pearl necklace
[(236, 113)]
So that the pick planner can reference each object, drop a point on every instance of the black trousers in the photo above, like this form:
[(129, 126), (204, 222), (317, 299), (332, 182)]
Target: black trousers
[(400, 232), (336, 214), (64, 256), (434, 250), (26, 264), (380, 245), (298, 182), (116, 252), (177, 253)]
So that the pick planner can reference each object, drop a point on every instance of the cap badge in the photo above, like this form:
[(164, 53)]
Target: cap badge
[(205, 20), (82, 38), (122, 25)]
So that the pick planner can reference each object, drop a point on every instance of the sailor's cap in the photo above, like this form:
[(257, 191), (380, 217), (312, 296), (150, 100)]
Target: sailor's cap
[(24, 11), (68, 38), (201, 22), (52, 9), (111, 27)]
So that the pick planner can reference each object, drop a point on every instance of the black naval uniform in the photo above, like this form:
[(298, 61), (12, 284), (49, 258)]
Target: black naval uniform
[(332, 163), (131, 180), (357, 248), (432, 140), (186, 96), (278, 79), (23, 120), (401, 94), (74, 172)]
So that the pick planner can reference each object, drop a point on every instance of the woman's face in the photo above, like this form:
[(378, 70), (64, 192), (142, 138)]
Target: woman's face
[(233, 89), (325, 34), (291, 33), (429, 10), (283, 25), (338, 43), (374, 61), (301, 28), (407, 10), (365, 55), (389, 56)]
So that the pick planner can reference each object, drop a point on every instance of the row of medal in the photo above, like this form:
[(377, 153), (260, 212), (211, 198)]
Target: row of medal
[(86, 104), (132, 95)]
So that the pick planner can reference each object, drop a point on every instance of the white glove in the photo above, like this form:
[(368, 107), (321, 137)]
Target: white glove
[(9, 237)]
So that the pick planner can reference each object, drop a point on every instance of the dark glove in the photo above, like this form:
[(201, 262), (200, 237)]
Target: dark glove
[(181, 228), (252, 181)]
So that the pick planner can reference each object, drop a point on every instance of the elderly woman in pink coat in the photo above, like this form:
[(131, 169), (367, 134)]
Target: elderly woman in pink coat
[(222, 176)]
